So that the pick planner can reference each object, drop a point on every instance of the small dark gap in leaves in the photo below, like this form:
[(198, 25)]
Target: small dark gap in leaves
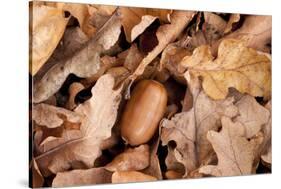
[(66, 14), (172, 144), (83, 95), (147, 41), (176, 92), (62, 95), (263, 169), (162, 153), (238, 24)]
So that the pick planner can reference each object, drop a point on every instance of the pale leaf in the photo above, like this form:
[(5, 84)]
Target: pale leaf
[(235, 152), (80, 177), (47, 28), (99, 115)]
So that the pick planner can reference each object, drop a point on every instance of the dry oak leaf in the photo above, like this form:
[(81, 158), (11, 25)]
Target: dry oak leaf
[(252, 115), (52, 116), (84, 63), (99, 115), (266, 148), (256, 31), (136, 20), (80, 177), (236, 66), (47, 26), (165, 34), (235, 152), (133, 159), (131, 176)]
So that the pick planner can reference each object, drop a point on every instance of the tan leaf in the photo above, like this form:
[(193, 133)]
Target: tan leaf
[(154, 165), (52, 116), (133, 159), (213, 27), (252, 115), (234, 18), (37, 178), (266, 147), (84, 63), (130, 176), (255, 31), (236, 66), (136, 20), (81, 13), (235, 152), (47, 28), (82, 177), (99, 115), (166, 34)]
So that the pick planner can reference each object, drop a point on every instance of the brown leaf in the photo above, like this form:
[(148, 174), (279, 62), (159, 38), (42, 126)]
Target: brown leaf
[(73, 90), (213, 27), (256, 32), (84, 63), (266, 147), (99, 115), (166, 34), (82, 177), (236, 66), (133, 159), (252, 115), (136, 20), (131, 176), (37, 178), (44, 20), (52, 116), (154, 165), (235, 153)]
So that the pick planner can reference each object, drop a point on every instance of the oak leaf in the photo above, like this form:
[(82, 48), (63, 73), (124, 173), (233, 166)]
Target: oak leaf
[(236, 66), (84, 63), (99, 115), (235, 152), (47, 28), (80, 177)]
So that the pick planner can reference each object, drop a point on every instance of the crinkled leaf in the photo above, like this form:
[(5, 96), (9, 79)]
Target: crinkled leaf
[(47, 28), (84, 63), (235, 152), (80, 177), (236, 66), (99, 115)]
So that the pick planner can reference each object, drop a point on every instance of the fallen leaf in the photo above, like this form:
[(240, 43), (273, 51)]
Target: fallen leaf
[(213, 27), (255, 31), (165, 34), (46, 30), (52, 116), (99, 115), (130, 176), (154, 165), (133, 159), (266, 147), (136, 20), (235, 152), (82, 177), (73, 90), (252, 115), (236, 66), (84, 63)]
